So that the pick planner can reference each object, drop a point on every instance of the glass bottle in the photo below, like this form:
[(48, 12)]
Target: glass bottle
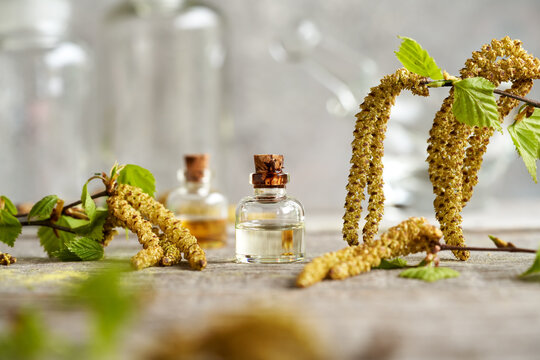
[(44, 107), (269, 224), (163, 62), (202, 210)]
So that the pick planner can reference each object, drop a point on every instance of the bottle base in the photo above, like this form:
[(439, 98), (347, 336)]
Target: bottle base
[(255, 259)]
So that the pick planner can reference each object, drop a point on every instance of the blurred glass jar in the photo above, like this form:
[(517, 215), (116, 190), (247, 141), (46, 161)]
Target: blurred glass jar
[(201, 209), (45, 74), (163, 84)]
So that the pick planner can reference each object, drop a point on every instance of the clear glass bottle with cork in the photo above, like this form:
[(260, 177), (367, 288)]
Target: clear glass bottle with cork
[(269, 224), (203, 211)]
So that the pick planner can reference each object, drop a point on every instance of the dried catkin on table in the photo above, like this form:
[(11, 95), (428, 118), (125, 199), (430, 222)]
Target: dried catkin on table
[(167, 222), (165, 241), (409, 237)]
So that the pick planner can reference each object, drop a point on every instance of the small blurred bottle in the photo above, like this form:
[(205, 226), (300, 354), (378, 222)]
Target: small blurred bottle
[(202, 211), (269, 224), (162, 84), (45, 77)]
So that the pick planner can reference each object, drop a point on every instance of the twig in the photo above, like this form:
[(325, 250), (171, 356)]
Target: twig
[(470, 248), (78, 202), (73, 204), (445, 83), (517, 97), (46, 223)]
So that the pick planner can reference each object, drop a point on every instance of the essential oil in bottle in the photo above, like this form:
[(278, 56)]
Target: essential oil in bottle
[(269, 224), (201, 210)]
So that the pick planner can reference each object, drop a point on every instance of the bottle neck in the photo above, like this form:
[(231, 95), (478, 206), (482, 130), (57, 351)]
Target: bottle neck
[(270, 192), (200, 188)]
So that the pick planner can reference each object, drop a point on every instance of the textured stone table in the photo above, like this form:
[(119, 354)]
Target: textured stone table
[(485, 313)]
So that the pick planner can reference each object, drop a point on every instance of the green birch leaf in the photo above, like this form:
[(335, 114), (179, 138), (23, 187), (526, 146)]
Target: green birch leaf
[(397, 263), (429, 273), (139, 177), (474, 103), (52, 243), (43, 208), (86, 249), (8, 205), (75, 223), (10, 227), (526, 137), (66, 255), (535, 267), (88, 203), (90, 229), (417, 60)]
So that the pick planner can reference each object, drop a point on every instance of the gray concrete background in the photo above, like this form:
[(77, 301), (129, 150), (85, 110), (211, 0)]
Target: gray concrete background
[(290, 105)]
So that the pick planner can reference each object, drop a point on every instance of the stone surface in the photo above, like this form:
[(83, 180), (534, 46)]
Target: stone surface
[(485, 313)]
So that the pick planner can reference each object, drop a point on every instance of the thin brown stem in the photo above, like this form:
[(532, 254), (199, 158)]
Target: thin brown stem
[(73, 204), (447, 83), (46, 223), (78, 202), (517, 97), (472, 248)]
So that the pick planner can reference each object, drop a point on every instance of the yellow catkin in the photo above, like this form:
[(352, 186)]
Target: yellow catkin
[(501, 60), (410, 236), (450, 213), (446, 150), (6, 259), (318, 268), (357, 178), (152, 252), (480, 139), (454, 155), (109, 232), (369, 255), (437, 145), (167, 222), (367, 152), (171, 253)]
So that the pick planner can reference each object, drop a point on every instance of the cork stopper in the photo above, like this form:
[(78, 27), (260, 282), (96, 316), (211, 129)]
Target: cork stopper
[(196, 166), (269, 171)]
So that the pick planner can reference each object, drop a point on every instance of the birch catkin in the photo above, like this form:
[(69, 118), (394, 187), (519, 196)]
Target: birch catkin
[(455, 152), (410, 236), (152, 252), (129, 207), (167, 222), (455, 156), (367, 152)]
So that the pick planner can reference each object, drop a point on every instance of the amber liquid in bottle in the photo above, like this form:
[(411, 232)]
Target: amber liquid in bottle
[(210, 233), (200, 209)]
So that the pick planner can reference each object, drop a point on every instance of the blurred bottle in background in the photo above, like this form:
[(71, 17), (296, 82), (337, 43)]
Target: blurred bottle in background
[(45, 77), (163, 85), (202, 210)]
